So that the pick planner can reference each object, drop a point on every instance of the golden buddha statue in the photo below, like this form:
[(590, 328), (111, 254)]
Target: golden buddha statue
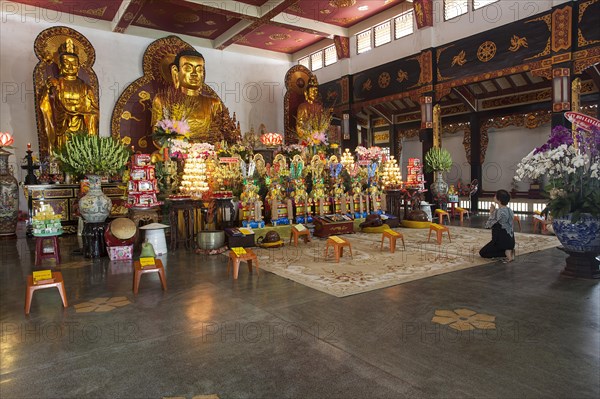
[(310, 108), (198, 109), (68, 104)]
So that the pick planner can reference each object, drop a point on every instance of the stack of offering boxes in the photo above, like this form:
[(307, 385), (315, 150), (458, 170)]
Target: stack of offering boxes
[(142, 186), (46, 222)]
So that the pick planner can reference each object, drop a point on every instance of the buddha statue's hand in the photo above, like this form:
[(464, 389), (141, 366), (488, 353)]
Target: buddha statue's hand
[(51, 82)]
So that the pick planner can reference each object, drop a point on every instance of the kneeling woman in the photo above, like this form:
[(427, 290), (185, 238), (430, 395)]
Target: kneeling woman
[(501, 223)]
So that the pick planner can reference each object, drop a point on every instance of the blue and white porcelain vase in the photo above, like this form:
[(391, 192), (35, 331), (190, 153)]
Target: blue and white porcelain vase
[(95, 206), (439, 187), (583, 236)]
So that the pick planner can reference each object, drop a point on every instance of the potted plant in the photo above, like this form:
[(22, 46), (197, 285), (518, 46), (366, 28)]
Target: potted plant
[(438, 160), (93, 156), (573, 189)]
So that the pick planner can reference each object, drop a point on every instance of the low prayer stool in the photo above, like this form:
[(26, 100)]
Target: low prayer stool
[(440, 213), (517, 220), (439, 229), (39, 249), (248, 257), (392, 236), (139, 270), (143, 216), (462, 212), (57, 281), (305, 234), (338, 245), (539, 222)]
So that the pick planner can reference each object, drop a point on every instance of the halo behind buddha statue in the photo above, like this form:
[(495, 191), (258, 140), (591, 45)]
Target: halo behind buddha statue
[(49, 45), (132, 115)]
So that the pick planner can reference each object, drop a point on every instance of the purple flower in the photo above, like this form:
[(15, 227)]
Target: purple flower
[(560, 135)]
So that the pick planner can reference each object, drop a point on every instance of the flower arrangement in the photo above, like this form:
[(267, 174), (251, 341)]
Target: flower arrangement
[(86, 154), (438, 159), (319, 138), (369, 154), (573, 170), (318, 121), (168, 129)]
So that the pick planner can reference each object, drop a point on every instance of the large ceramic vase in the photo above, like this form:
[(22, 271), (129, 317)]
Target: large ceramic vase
[(95, 206), (439, 187), (9, 197), (583, 236), (581, 241)]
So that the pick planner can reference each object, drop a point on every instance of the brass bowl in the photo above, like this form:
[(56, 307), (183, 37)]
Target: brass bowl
[(211, 239)]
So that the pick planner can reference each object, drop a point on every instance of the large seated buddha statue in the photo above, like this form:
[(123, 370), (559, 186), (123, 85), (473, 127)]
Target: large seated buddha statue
[(186, 100)]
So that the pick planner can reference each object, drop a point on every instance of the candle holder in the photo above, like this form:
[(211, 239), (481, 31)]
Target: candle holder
[(31, 178)]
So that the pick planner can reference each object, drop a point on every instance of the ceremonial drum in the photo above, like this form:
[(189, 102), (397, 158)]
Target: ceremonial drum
[(120, 232)]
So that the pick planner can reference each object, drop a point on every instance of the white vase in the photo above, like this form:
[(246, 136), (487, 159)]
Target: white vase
[(95, 205)]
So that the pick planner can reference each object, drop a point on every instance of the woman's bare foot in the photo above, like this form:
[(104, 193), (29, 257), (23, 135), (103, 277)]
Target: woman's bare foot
[(510, 255)]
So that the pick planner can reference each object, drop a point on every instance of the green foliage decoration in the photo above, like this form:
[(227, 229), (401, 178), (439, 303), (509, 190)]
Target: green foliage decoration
[(438, 159), (85, 154)]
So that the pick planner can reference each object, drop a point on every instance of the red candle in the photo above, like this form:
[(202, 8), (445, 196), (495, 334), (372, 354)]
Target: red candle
[(28, 146), (165, 153)]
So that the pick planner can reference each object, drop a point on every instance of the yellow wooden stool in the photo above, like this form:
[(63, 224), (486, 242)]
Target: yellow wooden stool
[(440, 214), (439, 229), (296, 234), (462, 212), (338, 245), (517, 221), (393, 236)]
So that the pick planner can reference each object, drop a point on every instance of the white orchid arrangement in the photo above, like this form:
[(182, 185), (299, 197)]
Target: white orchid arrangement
[(573, 172)]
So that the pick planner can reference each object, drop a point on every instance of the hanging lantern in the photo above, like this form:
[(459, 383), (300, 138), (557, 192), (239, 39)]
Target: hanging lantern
[(271, 139)]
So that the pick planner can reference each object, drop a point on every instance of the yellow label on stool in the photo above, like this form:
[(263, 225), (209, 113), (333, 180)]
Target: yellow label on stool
[(42, 275), (299, 227), (238, 251), (337, 239), (145, 262), (391, 232)]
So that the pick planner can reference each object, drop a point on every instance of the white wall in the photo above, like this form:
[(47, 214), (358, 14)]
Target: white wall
[(252, 87), (506, 148), (461, 168)]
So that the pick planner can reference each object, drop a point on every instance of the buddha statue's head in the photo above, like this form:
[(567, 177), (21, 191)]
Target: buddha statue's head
[(187, 71), (312, 90), (68, 61)]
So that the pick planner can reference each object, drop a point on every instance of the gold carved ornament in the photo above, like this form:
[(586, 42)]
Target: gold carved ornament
[(486, 51), (517, 42), (581, 40), (548, 20), (402, 76), (384, 80), (459, 59), (368, 85)]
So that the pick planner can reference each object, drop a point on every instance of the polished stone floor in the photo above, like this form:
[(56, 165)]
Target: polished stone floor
[(268, 337)]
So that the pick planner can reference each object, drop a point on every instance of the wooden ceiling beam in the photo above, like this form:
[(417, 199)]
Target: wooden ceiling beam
[(467, 97), (389, 118)]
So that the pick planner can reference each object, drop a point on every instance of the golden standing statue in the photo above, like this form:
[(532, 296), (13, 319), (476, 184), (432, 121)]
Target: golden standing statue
[(68, 104), (308, 109), (188, 73)]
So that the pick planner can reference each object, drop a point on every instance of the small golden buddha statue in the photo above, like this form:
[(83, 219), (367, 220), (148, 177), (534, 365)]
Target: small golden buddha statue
[(308, 108), (68, 104), (188, 73)]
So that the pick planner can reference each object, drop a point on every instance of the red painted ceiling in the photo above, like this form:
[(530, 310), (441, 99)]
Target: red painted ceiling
[(227, 22)]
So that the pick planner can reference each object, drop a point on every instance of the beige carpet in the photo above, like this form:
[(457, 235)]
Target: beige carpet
[(371, 269)]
